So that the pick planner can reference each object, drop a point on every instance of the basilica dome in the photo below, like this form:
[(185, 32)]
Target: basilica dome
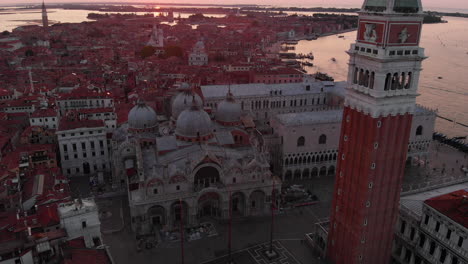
[(142, 117), (228, 110), (183, 101), (194, 123)]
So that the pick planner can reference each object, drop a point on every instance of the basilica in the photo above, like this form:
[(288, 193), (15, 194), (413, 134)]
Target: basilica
[(193, 165)]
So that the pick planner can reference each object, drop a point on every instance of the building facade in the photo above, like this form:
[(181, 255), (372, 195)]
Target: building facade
[(198, 55), (264, 101), (384, 68), (81, 219), (83, 147), (309, 141), (192, 169), (432, 227)]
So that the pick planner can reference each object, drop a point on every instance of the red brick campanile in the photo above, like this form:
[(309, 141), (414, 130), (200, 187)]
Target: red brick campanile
[(384, 68)]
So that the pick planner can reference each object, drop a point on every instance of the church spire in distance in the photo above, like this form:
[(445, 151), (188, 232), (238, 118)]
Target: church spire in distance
[(45, 19)]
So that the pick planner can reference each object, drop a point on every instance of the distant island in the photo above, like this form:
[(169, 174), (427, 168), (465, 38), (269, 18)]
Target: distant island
[(430, 17)]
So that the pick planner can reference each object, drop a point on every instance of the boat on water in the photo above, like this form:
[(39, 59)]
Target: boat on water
[(340, 36), (440, 77), (306, 63), (333, 59)]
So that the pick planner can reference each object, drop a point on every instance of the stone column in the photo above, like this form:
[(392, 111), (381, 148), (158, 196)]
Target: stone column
[(403, 252), (412, 259)]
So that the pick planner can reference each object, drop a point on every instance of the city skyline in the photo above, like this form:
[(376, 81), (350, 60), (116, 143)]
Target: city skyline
[(449, 5), (202, 134)]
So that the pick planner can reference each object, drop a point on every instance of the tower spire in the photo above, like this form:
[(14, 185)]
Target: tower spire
[(45, 19)]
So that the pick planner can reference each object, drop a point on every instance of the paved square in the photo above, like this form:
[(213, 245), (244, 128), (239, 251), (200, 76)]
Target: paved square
[(255, 255)]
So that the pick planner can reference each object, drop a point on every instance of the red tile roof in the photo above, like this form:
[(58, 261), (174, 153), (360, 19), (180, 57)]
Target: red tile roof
[(49, 112), (68, 125), (454, 205), (76, 253)]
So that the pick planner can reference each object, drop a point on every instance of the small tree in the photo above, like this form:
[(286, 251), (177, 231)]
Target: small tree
[(175, 51), (147, 51)]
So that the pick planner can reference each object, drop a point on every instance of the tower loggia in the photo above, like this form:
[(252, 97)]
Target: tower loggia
[(384, 68)]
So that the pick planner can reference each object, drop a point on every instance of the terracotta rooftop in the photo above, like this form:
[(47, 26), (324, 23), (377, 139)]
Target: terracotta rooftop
[(76, 252), (49, 112), (454, 205), (69, 125)]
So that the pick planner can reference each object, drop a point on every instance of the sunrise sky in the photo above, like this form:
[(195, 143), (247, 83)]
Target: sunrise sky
[(428, 4)]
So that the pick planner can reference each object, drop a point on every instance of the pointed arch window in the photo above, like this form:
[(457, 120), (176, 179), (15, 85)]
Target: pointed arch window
[(323, 139), (300, 141), (419, 131)]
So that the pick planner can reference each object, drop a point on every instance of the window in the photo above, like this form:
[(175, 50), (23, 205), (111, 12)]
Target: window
[(83, 145), (74, 146), (65, 148), (234, 180), (412, 233), (422, 240), (155, 191), (426, 220), (83, 224), (419, 131), (323, 139), (66, 157), (437, 228), (432, 248), (443, 255), (300, 141), (460, 241), (449, 234), (402, 227), (178, 187)]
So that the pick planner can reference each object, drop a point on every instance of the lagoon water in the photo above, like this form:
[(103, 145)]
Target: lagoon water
[(446, 46)]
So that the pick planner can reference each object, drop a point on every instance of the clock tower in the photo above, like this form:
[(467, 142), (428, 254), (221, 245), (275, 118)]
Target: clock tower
[(384, 67)]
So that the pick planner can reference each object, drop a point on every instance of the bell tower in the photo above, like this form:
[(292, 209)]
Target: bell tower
[(384, 67), (45, 19)]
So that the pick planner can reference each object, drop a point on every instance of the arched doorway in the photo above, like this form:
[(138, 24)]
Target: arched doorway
[(288, 175), (206, 177), (179, 211), (157, 215), (209, 205), (238, 204), (331, 171), (305, 174), (315, 172), (86, 168), (323, 171), (257, 202), (297, 174)]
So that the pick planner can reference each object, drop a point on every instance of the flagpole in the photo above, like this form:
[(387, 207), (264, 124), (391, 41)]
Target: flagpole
[(230, 228), (272, 216), (181, 231)]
